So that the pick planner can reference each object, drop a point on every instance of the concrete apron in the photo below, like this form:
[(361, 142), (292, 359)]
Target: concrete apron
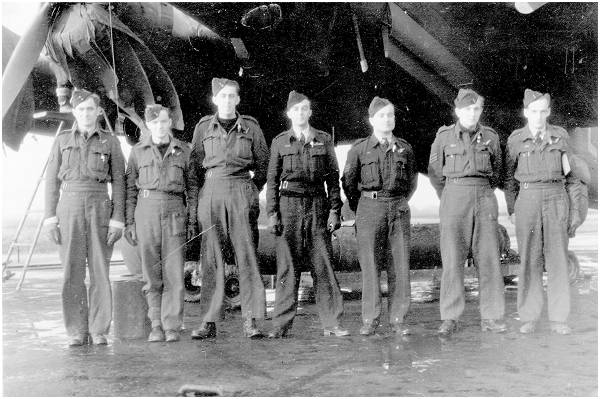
[(470, 363)]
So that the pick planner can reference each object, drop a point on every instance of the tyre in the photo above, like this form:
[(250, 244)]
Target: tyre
[(193, 284), (232, 298)]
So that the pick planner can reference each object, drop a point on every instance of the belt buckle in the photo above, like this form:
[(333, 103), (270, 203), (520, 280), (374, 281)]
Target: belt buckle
[(455, 179), (145, 193), (284, 184), (374, 195), (526, 185)]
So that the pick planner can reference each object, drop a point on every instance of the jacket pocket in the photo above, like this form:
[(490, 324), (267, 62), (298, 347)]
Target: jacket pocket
[(398, 172), (243, 146), (69, 166), (524, 162), (318, 162), (99, 161), (483, 159), (175, 175), (369, 171), (454, 159), (147, 177), (211, 146), (290, 159), (553, 159)]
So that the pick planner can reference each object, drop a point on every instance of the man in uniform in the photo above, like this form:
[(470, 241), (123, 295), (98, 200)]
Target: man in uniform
[(538, 164), (379, 179), (158, 177), (226, 147), (84, 221), (301, 212), (464, 168)]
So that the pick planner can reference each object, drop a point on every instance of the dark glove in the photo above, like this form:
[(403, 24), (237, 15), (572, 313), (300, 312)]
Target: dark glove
[(192, 230), (333, 222), (574, 223), (54, 233), (275, 226), (130, 235), (114, 233)]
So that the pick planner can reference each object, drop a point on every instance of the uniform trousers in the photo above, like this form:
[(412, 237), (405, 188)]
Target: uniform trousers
[(468, 225), (383, 237), (83, 219), (160, 228), (305, 244), (227, 211), (541, 218)]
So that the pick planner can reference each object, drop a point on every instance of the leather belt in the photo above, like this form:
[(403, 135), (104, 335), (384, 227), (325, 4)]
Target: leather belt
[(300, 188), (380, 195), (468, 181), (83, 186), (212, 174), (543, 184), (157, 194)]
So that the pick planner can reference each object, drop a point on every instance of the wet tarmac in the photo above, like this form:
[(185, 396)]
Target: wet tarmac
[(36, 361)]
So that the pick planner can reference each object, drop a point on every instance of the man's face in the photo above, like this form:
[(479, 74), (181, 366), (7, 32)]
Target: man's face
[(469, 116), (86, 113), (226, 100), (160, 127), (536, 113), (384, 120), (300, 113)]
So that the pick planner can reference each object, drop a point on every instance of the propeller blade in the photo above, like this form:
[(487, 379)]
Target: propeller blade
[(24, 58)]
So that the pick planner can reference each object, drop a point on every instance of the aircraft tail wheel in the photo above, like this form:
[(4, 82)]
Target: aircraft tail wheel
[(192, 282), (573, 267), (232, 297)]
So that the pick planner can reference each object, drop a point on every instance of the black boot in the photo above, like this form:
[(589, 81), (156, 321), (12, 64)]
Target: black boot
[(206, 330)]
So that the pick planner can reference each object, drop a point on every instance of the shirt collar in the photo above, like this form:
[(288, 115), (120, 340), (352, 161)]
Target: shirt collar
[(374, 140), (527, 134), (458, 129), (95, 130), (305, 132), (534, 133), (309, 134)]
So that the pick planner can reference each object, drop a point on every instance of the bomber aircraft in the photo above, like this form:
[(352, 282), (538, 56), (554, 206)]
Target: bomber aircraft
[(340, 54)]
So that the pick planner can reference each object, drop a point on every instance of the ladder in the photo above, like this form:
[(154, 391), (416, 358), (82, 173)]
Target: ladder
[(63, 119)]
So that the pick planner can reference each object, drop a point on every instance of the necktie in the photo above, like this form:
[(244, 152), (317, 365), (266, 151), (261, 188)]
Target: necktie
[(385, 144), (302, 141), (538, 138)]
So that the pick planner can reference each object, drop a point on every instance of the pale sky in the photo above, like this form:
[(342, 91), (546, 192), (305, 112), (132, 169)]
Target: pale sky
[(17, 16)]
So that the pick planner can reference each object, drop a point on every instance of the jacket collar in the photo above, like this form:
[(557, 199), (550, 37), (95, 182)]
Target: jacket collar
[(312, 135), (96, 130), (373, 141), (550, 132), (240, 124), (458, 129), (146, 141)]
